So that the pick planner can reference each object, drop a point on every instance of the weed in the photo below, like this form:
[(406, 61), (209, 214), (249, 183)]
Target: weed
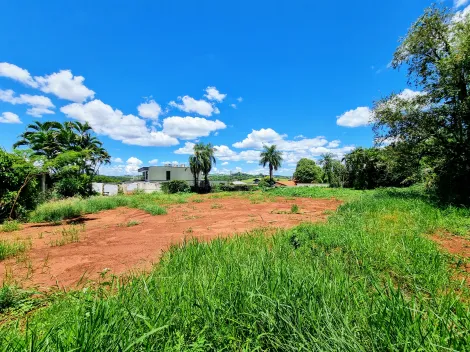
[(133, 223), (294, 209), (67, 235), (198, 200), (10, 226), (12, 248), (216, 206)]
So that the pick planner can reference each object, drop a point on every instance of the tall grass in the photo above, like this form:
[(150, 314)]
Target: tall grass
[(10, 248), (75, 207), (369, 279), (10, 226)]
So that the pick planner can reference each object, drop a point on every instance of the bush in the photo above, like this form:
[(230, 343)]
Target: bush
[(14, 170), (176, 186), (237, 188)]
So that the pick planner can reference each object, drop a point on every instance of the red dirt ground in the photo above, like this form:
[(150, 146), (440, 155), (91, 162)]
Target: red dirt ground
[(455, 245), (107, 243)]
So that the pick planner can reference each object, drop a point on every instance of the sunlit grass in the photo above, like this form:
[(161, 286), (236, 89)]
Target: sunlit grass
[(368, 279)]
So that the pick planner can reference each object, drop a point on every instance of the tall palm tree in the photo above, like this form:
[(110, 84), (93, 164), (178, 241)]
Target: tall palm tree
[(195, 167), (206, 153), (271, 156)]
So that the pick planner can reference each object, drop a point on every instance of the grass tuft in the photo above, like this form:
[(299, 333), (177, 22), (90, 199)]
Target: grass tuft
[(10, 226)]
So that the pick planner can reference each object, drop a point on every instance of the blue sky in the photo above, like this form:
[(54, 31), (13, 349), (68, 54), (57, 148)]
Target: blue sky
[(153, 77)]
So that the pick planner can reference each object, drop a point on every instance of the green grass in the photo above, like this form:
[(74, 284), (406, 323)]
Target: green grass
[(66, 235), (345, 194), (368, 279), (131, 223), (10, 226), (11, 248), (294, 209), (75, 207)]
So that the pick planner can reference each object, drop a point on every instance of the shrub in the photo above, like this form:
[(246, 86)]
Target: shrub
[(9, 226), (175, 186)]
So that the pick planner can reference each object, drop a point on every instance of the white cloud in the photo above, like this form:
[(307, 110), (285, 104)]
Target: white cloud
[(132, 165), (190, 104), (459, 3), (239, 99), (225, 163), (408, 94), (129, 129), (334, 144), (362, 116), (213, 94), (267, 136), (190, 127), (233, 106), (257, 138), (187, 149), (460, 16), (17, 73), (39, 104), (65, 85), (153, 162), (150, 110), (9, 117), (116, 160)]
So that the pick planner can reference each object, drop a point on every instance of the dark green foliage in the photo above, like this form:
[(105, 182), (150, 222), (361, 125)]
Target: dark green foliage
[(369, 168), (112, 179), (15, 172), (175, 186), (334, 171), (71, 154), (435, 124), (237, 188), (307, 171)]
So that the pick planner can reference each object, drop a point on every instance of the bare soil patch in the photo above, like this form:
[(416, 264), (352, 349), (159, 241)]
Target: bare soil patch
[(457, 246), (123, 239)]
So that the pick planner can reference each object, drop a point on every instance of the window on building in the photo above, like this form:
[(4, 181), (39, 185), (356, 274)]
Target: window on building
[(168, 175)]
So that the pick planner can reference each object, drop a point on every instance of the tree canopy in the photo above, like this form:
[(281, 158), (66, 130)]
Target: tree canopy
[(307, 171), (272, 157), (433, 124)]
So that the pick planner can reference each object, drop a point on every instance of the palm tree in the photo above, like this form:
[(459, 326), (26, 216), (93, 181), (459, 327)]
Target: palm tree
[(272, 157), (204, 154), (194, 166)]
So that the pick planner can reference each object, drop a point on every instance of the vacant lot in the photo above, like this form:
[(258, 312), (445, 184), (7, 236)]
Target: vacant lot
[(124, 239)]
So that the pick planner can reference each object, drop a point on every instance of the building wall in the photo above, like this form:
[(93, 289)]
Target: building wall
[(158, 173)]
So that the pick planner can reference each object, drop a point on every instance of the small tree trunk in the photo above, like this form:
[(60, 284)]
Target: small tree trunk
[(271, 173), (43, 183)]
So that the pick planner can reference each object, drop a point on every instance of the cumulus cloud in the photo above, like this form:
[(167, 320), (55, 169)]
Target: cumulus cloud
[(225, 163), (187, 149), (65, 85), (460, 16), (150, 110), (190, 127), (132, 165), (233, 106), (334, 144), (39, 104), (105, 120), (116, 160), (153, 162), (257, 138), (460, 3), (239, 99), (267, 136), (17, 73), (213, 94), (361, 116), (9, 117), (189, 104)]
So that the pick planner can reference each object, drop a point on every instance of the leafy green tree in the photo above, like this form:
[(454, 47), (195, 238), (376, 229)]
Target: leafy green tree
[(76, 153), (201, 162), (19, 187), (272, 157), (334, 171), (434, 124), (307, 171)]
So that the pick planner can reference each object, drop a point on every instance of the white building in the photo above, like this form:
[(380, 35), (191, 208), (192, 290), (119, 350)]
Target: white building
[(167, 173)]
